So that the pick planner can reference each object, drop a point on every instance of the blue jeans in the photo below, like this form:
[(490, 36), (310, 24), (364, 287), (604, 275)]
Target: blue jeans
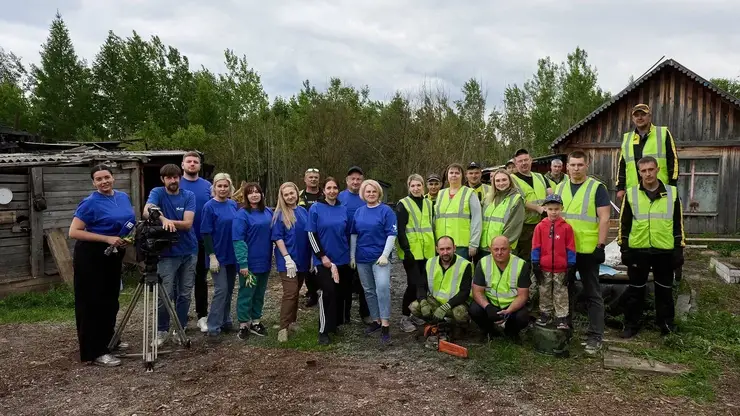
[(376, 281), (177, 272), (223, 288)]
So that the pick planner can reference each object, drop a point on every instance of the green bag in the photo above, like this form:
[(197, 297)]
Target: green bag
[(551, 341)]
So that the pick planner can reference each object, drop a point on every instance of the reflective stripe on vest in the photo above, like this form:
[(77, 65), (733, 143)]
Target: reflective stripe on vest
[(534, 195), (579, 211), (444, 284), (494, 219), (652, 221), (654, 146), (452, 216), (418, 229), (506, 283)]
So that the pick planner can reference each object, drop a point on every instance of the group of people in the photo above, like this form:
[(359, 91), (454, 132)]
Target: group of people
[(469, 249)]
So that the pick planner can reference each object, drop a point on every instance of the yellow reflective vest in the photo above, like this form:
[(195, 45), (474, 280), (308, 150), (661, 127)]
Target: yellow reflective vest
[(655, 146), (501, 288), (418, 229), (652, 221), (443, 285), (534, 195), (494, 219), (452, 216), (482, 190), (579, 211)]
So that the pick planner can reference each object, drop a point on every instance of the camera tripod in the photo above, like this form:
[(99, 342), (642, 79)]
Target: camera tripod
[(151, 287)]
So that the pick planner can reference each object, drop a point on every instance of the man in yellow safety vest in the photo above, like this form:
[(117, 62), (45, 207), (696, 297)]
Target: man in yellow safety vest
[(473, 176), (457, 214), (434, 184), (587, 207), (556, 174), (651, 237), (646, 140), (500, 291), (535, 188)]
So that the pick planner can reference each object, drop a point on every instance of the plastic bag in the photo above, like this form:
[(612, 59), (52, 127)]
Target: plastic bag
[(613, 256)]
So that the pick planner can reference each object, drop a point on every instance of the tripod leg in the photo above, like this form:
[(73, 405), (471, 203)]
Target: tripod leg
[(150, 312), (179, 330), (126, 316)]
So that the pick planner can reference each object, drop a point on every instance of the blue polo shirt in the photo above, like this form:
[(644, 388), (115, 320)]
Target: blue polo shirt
[(254, 228), (202, 190), (216, 220), (331, 226), (295, 239), (173, 208), (106, 214), (373, 226)]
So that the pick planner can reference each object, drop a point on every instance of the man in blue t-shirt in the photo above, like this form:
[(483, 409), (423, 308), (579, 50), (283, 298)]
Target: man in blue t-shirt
[(350, 198), (191, 181), (176, 265)]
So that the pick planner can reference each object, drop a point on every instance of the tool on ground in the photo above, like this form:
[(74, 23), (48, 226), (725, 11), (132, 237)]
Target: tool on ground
[(443, 333)]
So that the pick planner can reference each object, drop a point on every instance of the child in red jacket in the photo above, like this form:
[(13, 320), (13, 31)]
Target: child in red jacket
[(553, 261)]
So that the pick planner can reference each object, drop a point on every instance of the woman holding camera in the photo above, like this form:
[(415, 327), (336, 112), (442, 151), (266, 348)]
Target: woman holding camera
[(252, 241), (215, 228), (100, 221)]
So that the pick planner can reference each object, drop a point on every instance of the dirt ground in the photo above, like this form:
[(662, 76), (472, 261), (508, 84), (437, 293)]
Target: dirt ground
[(40, 375)]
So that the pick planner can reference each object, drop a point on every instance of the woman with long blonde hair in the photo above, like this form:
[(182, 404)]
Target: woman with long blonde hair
[(292, 252), (503, 211), (215, 228)]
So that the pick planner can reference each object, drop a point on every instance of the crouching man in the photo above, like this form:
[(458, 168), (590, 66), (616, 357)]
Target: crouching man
[(500, 291), (445, 291)]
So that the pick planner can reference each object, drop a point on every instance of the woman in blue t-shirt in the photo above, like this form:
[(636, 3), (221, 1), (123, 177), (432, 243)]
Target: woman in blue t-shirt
[(327, 233), (100, 221), (292, 252), (215, 229), (374, 233), (252, 242)]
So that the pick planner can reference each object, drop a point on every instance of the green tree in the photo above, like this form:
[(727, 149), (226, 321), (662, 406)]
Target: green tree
[(543, 92), (732, 86), (579, 90)]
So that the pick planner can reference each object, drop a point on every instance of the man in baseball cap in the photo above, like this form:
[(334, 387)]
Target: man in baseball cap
[(434, 184), (473, 176)]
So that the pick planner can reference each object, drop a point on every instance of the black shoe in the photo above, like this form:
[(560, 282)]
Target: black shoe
[(324, 339), (372, 328), (337, 331), (212, 338), (312, 301), (258, 329), (667, 329), (243, 333), (629, 332)]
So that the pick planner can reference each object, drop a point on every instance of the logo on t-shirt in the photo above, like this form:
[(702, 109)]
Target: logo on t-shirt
[(180, 209), (395, 228)]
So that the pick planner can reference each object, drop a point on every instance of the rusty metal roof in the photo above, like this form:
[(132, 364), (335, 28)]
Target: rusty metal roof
[(667, 63), (80, 155)]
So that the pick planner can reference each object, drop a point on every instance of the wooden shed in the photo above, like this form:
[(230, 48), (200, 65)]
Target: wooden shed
[(705, 123), (63, 180)]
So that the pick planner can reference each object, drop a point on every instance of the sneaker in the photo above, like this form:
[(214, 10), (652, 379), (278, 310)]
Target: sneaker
[(367, 320), (563, 324), (162, 337), (593, 347), (629, 333), (243, 333), (122, 346), (283, 335), (372, 328), (324, 339), (213, 337), (294, 327), (258, 329), (107, 360), (228, 328), (385, 338), (417, 321), (312, 301), (543, 320), (407, 325), (203, 324), (666, 329)]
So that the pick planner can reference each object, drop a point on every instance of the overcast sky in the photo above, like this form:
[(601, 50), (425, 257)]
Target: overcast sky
[(391, 45)]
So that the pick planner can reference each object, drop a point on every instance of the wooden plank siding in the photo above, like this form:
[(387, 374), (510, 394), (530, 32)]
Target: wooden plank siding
[(15, 246)]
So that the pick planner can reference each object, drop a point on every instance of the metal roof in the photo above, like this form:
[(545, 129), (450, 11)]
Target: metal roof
[(81, 155), (667, 63)]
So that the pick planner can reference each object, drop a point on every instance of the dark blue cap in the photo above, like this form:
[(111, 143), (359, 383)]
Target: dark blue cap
[(553, 198)]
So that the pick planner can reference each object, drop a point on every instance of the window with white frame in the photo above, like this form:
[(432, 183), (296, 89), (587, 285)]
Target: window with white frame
[(698, 185)]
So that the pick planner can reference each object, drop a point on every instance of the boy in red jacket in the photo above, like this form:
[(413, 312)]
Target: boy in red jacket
[(553, 262)]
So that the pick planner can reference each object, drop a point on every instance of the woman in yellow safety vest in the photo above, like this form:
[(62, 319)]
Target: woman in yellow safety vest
[(503, 211), (415, 244)]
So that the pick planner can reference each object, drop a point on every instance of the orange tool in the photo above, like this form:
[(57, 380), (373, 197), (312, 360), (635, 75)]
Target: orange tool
[(452, 349)]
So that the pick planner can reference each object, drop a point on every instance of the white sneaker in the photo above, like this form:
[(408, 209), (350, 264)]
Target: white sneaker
[(203, 324), (283, 335), (107, 360), (162, 337), (295, 327)]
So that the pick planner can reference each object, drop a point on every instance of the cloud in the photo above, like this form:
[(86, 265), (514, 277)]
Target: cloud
[(391, 45)]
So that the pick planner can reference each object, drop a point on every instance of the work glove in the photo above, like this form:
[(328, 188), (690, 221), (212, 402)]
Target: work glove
[(290, 266), (382, 261), (408, 256), (334, 273), (537, 271), (677, 257), (352, 262), (570, 275), (628, 259), (599, 255), (214, 265), (441, 312), (492, 313)]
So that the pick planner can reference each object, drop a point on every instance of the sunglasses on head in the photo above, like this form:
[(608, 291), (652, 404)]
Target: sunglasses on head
[(312, 170)]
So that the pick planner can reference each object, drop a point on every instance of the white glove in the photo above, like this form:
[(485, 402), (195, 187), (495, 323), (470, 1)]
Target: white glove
[(335, 273), (382, 261), (215, 266), (312, 269), (290, 266), (352, 263)]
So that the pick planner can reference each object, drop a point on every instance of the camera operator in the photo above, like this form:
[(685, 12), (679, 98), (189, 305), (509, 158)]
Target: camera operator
[(97, 224), (176, 265)]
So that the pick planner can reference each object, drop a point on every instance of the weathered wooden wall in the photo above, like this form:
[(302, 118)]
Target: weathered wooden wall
[(15, 247)]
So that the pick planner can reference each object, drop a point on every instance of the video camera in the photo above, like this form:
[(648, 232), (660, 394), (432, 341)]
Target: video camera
[(151, 238)]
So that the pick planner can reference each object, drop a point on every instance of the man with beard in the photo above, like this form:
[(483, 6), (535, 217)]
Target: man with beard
[(176, 265), (201, 188)]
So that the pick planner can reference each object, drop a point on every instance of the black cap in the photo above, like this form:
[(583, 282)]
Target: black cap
[(473, 165), (354, 169), (521, 151), (434, 177)]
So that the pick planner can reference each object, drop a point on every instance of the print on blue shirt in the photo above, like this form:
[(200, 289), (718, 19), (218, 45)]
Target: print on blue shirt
[(217, 220), (295, 239), (106, 214), (202, 190), (173, 208), (253, 227), (372, 226), (332, 228)]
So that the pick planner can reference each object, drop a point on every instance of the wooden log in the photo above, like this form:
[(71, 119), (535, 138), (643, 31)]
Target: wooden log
[(614, 360), (81, 177), (37, 225), (12, 179), (28, 285), (14, 241), (58, 245), (7, 217)]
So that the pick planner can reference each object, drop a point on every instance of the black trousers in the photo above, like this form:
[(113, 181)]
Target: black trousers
[(588, 269), (662, 267), (360, 291), (201, 284), (334, 298), (516, 322), (524, 244), (415, 272), (312, 286), (97, 283)]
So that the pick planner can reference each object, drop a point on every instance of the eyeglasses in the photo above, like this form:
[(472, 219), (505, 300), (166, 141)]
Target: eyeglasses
[(312, 170)]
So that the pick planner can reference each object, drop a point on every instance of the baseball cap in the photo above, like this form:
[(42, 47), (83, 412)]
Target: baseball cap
[(553, 198), (473, 165), (641, 107), (510, 161), (354, 169), (434, 177)]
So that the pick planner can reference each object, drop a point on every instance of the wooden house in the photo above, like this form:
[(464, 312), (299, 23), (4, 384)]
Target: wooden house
[(29, 234), (705, 123)]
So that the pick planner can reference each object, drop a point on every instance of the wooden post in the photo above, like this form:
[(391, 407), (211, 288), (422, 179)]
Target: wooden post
[(137, 181), (62, 257), (36, 179)]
